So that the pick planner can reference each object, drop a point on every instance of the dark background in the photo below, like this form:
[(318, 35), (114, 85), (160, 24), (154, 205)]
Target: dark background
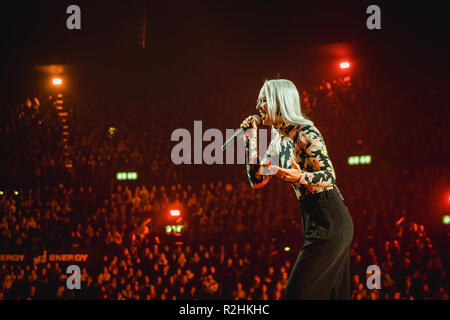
[(199, 46)]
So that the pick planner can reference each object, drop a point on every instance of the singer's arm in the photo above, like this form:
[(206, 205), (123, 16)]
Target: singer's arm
[(253, 165), (318, 159)]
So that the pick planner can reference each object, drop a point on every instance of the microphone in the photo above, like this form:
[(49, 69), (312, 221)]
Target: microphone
[(256, 118)]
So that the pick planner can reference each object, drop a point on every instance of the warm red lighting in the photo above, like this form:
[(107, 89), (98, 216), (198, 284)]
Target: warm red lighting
[(57, 81), (174, 213), (344, 65)]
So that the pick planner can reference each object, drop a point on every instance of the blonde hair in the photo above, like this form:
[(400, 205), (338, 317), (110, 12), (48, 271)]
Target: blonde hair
[(283, 98)]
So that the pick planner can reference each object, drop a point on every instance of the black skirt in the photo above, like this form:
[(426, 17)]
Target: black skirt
[(322, 269)]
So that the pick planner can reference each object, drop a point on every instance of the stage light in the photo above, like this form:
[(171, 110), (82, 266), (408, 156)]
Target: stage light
[(365, 159), (121, 175), (57, 81), (16, 193), (1, 193), (287, 249), (175, 213), (446, 219), (111, 131), (126, 175), (131, 175), (355, 160), (174, 228), (344, 65)]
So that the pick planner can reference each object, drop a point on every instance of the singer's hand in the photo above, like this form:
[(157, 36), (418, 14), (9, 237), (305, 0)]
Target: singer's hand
[(249, 120), (287, 174)]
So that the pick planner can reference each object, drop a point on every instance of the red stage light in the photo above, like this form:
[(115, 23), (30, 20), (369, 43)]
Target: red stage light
[(344, 65), (174, 213)]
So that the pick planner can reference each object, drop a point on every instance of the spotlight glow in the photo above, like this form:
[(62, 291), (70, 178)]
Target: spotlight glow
[(446, 219), (344, 65), (57, 81), (174, 213)]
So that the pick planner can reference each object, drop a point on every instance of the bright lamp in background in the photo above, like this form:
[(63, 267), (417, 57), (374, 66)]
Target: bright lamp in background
[(446, 219), (175, 213), (357, 160), (344, 65), (57, 81), (126, 175), (174, 228)]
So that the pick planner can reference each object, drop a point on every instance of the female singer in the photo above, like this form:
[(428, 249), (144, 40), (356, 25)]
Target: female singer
[(322, 269)]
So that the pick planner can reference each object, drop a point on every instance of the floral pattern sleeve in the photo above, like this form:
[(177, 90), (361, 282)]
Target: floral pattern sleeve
[(317, 171), (257, 171), (303, 144)]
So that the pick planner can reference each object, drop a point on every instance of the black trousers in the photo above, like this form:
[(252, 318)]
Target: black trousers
[(322, 269)]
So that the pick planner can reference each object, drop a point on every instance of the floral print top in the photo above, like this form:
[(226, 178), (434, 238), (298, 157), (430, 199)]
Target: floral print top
[(302, 143)]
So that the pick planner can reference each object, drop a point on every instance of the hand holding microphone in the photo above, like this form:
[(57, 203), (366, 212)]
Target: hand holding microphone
[(251, 120)]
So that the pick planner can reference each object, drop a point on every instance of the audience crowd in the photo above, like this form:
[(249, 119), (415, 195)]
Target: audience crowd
[(236, 243), (251, 259)]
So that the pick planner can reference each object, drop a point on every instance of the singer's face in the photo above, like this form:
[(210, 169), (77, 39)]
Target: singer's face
[(261, 106), (263, 110)]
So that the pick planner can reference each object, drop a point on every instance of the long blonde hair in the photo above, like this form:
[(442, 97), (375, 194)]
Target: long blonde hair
[(283, 98)]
